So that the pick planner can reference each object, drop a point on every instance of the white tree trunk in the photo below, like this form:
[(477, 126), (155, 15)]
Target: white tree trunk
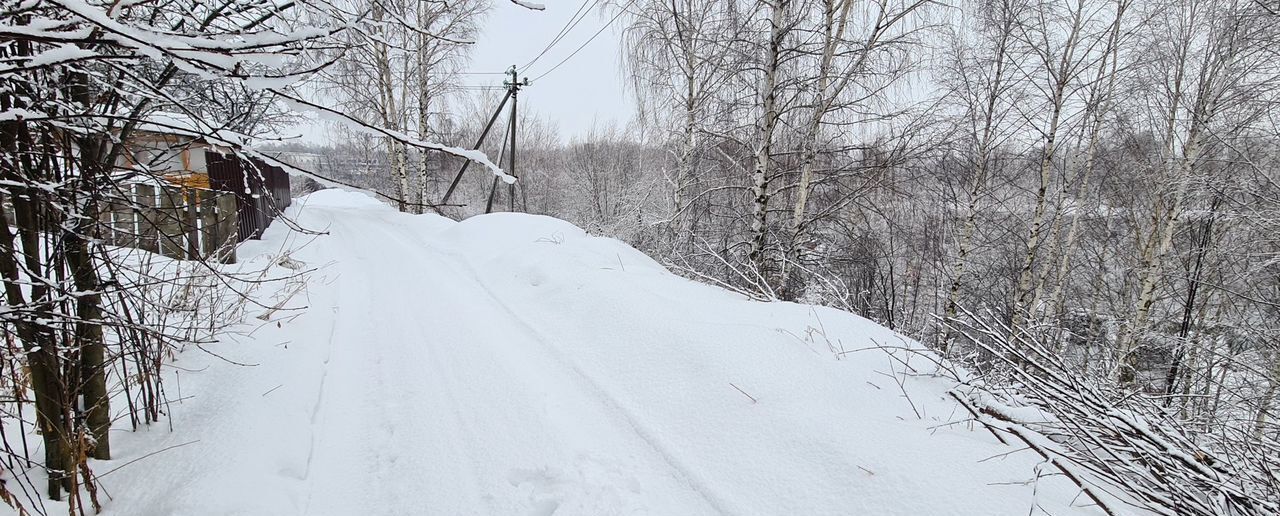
[(764, 140), (1061, 77), (424, 105), (985, 140), (1153, 253), (1100, 99)]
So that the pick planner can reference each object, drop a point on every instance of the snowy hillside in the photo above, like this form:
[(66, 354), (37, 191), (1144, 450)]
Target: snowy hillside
[(512, 365)]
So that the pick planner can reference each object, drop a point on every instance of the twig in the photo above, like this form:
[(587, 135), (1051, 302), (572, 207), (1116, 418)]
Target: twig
[(744, 393), (157, 452)]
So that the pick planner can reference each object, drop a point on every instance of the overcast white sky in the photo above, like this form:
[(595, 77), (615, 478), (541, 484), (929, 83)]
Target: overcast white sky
[(586, 88), (589, 86)]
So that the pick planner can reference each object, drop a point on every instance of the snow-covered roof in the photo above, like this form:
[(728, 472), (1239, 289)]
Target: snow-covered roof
[(171, 123)]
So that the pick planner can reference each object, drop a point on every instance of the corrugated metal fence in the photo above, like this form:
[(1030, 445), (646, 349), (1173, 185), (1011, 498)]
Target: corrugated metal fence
[(261, 190)]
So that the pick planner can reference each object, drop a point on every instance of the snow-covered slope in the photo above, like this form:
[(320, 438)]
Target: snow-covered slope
[(513, 365)]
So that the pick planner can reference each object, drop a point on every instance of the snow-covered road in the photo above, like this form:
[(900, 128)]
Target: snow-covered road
[(512, 365), (450, 393)]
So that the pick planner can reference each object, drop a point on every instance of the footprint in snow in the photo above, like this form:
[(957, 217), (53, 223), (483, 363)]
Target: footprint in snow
[(587, 487), (541, 483)]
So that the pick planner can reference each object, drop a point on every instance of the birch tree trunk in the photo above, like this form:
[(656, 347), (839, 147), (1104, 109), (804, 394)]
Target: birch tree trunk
[(1154, 252), (424, 107), (1060, 77), (833, 26), (387, 109), (1177, 170), (688, 64), (764, 138), (982, 163), (1095, 111), (835, 23), (835, 14)]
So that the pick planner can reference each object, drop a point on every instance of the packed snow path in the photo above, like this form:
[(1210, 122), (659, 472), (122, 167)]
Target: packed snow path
[(512, 365)]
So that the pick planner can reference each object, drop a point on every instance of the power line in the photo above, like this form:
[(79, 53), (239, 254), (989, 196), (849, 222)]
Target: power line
[(569, 25), (588, 41)]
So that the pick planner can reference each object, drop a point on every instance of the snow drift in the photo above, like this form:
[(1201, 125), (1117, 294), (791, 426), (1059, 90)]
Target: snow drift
[(513, 364)]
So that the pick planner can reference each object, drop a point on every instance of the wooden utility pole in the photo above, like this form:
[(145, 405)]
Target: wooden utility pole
[(513, 90), (513, 86)]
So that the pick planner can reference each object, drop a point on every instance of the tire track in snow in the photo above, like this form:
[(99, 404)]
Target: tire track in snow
[(507, 312), (314, 434), (434, 397), (374, 423)]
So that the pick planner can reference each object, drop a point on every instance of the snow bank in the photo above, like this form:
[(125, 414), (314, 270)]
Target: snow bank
[(513, 364), (767, 408)]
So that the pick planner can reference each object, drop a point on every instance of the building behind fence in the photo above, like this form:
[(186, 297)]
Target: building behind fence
[(199, 214)]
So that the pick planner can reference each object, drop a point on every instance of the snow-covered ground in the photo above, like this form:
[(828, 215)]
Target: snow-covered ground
[(512, 365)]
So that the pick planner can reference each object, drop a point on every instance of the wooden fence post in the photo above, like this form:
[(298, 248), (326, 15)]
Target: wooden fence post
[(123, 214), (228, 227), (104, 230), (208, 210), (147, 216), (185, 223), (191, 197), (217, 226), (170, 223)]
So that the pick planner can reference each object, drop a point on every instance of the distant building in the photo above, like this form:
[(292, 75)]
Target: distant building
[(308, 161)]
